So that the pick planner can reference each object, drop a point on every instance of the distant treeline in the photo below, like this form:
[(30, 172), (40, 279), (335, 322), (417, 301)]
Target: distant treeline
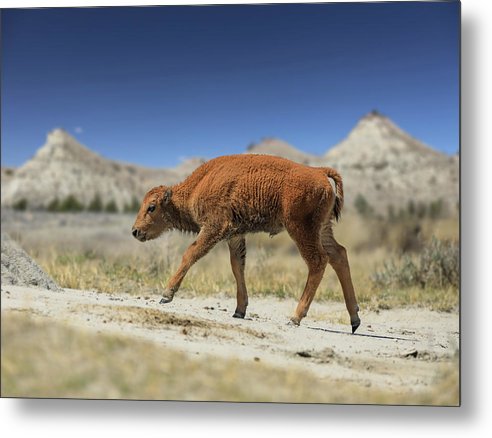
[(72, 204), (433, 210), (420, 210)]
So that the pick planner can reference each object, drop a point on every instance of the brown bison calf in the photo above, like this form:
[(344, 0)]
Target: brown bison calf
[(227, 197)]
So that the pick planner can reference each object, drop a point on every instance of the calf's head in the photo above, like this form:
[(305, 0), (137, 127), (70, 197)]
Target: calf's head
[(152, 218)]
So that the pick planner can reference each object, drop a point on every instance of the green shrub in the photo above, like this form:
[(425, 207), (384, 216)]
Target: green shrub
[(436, 209), (133, 207), (96, 204), (111, 207), (20, 205), (391, 213), (70, 203), (362, 206), (54, 205), (411, 208), (437, 266), (421, 210)]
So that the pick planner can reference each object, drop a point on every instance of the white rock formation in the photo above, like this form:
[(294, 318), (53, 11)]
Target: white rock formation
[(63, 167), (275, 146), (377, 160), (387, 166)]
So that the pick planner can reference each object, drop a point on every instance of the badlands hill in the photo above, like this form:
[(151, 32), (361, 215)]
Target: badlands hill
[(63, 167), (275, 146), (378, 161), (387, 166), (383, 164)]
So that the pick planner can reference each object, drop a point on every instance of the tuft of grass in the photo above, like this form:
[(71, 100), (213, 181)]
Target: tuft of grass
[(47, 359), (96, 272), (437, 266)]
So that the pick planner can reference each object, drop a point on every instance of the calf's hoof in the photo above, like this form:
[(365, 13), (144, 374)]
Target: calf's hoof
[(167, 297), (355, 324), (294, 322), (238, 314)]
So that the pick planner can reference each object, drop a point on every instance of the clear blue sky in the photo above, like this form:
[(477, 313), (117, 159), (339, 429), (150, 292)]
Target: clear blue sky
[(151, 85)]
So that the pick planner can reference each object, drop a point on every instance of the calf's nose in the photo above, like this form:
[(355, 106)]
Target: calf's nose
[(134, 232)]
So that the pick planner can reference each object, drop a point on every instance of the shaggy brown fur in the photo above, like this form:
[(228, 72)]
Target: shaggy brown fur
[(227, 197)]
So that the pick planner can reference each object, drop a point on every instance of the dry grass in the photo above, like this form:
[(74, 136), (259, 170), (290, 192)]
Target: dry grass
[(97, 252), (269, 271), (41, 359)]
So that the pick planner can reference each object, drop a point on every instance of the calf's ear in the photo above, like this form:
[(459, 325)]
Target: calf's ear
[(167, 196)]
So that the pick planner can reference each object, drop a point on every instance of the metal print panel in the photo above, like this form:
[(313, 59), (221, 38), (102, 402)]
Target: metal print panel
[(243, 203)]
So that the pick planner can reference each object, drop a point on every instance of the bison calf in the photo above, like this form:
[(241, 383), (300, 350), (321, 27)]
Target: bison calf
[(227, 197)]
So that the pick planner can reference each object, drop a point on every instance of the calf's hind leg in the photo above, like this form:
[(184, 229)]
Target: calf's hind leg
[(237, 249), (337, 257)]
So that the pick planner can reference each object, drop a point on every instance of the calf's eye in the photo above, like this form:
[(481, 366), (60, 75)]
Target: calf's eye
[(151, 209)]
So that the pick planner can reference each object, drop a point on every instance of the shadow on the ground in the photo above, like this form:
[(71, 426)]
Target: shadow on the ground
[(361, 334)]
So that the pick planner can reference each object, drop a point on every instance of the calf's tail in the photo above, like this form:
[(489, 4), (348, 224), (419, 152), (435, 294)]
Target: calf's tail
[(336, 182)]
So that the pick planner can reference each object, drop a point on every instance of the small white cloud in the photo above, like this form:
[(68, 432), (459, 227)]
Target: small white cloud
[(78, 130)]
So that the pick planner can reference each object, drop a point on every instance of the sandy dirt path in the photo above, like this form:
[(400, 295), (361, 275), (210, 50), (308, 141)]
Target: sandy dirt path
[(400, 348)]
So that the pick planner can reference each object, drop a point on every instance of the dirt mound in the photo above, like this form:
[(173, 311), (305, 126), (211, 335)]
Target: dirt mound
[(156, 318), (18, 268)]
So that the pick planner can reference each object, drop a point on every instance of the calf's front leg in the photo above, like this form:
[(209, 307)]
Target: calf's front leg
[(205, 241), (237, 249)]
